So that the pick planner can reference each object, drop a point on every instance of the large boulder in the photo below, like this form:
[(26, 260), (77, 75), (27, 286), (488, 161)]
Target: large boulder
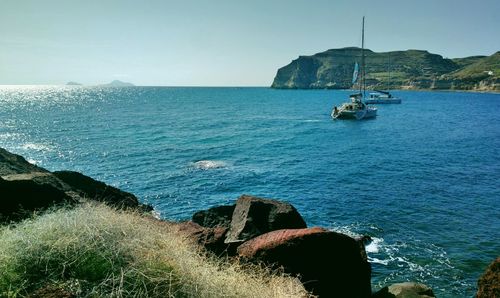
[(219, 216), (254, 216), (488, 284), (405, 290), (329, 264)]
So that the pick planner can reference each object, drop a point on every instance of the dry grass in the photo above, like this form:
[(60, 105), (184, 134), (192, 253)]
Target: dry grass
[(95, 251)]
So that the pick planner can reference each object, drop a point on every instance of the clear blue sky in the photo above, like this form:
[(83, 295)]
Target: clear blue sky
[(221, 42)]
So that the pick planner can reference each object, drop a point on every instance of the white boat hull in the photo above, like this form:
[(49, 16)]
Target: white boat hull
[(383, 101), (358, 114)]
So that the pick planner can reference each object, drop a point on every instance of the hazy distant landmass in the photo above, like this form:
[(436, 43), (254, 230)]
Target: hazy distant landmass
[(73, 84), (117, 83), (411, 69)]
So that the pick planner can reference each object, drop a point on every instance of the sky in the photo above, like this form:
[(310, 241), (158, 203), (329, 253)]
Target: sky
[(221, 42)]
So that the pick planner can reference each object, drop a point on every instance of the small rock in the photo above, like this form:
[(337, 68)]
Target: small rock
[(254, 216), (405, 290)]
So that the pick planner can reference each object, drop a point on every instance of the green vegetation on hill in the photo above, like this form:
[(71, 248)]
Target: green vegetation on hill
[(463, 62), (96, 251), (484, 67), (411, 69)]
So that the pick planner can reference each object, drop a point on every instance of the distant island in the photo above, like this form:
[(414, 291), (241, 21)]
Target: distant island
[(117, 83), (411, 69), (73, 84)]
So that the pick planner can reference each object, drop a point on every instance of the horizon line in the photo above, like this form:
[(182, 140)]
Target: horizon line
[(107, 86)]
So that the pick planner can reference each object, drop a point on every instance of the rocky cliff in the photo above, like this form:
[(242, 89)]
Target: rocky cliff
[(411, 69), (26, 188)]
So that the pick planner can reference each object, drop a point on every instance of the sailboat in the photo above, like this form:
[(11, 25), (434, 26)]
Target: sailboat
[(383, 97), (380, 96), (356, 108)]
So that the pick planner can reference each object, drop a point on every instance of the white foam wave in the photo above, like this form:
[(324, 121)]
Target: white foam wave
[(209, 164), (33, 161), (37, 147), (378, 261), (374, 245)]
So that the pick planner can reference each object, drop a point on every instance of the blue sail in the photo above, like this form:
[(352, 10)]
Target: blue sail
[(355, 73)]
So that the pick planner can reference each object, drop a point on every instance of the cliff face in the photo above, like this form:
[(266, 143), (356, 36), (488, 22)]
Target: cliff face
[(412, 69)]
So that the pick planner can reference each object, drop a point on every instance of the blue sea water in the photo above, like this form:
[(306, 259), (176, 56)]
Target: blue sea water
[(421, 179)]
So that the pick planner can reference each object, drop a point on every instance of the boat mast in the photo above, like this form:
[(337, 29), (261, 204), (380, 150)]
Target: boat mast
[(363, 58)]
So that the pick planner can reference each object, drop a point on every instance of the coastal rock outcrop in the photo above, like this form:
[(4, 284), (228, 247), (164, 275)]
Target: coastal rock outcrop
[(489, 283), (329, 264), (90, 188), (25, 187), (405, 290), (11, 163), (20, 197), (254, 216)]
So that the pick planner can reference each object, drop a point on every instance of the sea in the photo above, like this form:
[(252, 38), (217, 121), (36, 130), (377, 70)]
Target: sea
[(422, 179)]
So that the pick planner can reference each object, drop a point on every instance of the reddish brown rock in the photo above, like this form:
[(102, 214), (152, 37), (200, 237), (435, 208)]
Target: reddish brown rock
[(254, 216), (488, 284), (211, 239), (328, 263)]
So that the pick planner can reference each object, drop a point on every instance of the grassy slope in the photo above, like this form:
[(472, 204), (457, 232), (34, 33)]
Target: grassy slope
[(479, 67), (463, 62), (97, 251)]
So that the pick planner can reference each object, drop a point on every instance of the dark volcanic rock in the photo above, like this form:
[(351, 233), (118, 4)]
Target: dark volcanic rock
[(96, 190), (405, 290), (11, 163), (489, 283), (328, 263), (219, 216), (254, 216), (19, 197), (25, 187)]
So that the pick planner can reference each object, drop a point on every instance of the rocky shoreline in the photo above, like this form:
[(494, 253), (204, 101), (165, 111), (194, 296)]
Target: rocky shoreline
[(266, 232)]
